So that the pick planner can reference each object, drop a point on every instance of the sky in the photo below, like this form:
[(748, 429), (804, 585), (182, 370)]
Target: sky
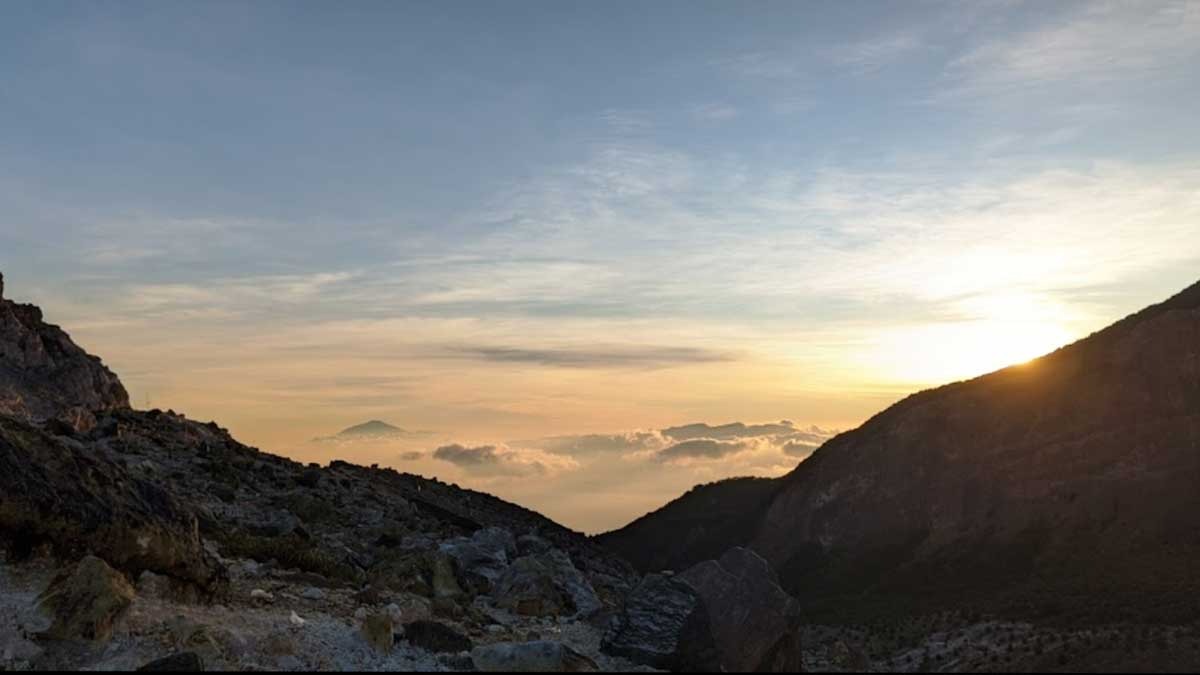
[(539, 236)]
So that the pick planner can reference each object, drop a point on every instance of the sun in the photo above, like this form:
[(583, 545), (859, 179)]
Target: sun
[(1005, 332)]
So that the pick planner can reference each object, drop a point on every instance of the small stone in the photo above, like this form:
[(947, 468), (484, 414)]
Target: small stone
[(393, 610), (183, 662), (313, 593), (295, 620), (261, 596)]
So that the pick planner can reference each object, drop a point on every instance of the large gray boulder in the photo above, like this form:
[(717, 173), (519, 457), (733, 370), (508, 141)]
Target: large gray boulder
[(483, 556), (545, 584), (665, 625), (755, 623)]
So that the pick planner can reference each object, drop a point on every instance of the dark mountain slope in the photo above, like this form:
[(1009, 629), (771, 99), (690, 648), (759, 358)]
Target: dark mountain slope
[(701, 525), (1071, 482)]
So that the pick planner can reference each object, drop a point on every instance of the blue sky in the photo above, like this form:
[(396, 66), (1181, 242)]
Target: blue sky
[(528, 219)]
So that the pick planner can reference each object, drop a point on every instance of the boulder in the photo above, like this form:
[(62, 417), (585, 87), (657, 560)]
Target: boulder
[(755, 622), (483, 557), (541, 656), (545, 584), (428, 573), (436, 637), (379, 631), (665, 625), (84, 603)]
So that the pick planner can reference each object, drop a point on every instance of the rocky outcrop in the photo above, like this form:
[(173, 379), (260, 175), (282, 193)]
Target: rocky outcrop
[(58, 492), (43, 374), (755, 623), (665, 625)]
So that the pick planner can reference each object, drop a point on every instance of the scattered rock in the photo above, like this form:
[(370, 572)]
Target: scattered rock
[(261, 597), (530, 657), (84, 603), (313, 593), (183, 662), (752, 617), (295, 620), (17, 653), (436, 637), (456, 662), (664, 624)]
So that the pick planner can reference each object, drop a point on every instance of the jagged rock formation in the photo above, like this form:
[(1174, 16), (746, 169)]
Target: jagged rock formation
[(43, 374), (1067, 484)]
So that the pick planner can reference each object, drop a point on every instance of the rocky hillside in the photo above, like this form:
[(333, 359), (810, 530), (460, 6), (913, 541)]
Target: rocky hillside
[(1065, 486), (132, 536), (44, 374)]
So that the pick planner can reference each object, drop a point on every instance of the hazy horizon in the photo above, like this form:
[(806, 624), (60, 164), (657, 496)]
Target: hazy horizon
[(542, 234)]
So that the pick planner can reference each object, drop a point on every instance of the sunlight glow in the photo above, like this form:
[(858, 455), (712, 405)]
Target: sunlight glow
[(1007, 330)]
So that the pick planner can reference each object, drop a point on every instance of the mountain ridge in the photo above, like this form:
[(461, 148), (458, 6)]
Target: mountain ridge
[(1002, 485)]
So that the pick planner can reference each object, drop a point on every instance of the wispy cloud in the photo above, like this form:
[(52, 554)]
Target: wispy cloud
[(766, 65), (594, 357), (1088, 44), (866, 56), (714, 112)]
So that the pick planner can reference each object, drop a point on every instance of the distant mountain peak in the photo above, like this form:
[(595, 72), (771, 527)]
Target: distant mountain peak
[(371, 430), (371, 427)]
